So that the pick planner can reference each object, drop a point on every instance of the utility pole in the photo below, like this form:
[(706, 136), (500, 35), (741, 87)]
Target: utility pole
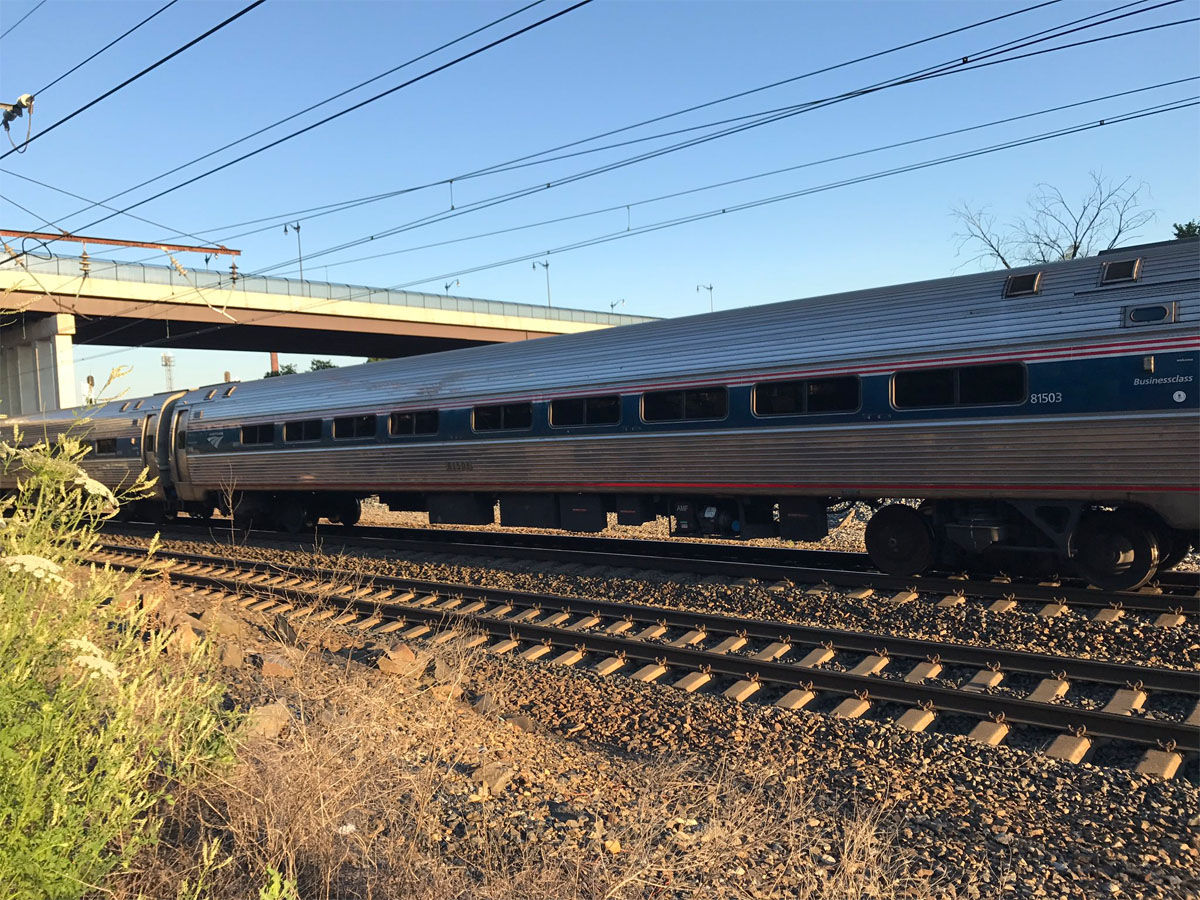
[(709, 288), (168, 364), (545, 265)]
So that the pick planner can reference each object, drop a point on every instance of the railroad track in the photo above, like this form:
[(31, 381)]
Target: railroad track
[(1171, 602), (847, 673)]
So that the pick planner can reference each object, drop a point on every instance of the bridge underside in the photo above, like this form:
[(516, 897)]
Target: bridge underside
[(194, 326), (173, 333)]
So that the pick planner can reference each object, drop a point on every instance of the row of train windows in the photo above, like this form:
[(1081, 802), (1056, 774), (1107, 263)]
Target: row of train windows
[(108, 446), (344, 428), (991, 385)]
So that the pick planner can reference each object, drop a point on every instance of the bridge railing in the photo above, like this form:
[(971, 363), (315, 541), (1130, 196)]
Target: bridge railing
[(140, 273)]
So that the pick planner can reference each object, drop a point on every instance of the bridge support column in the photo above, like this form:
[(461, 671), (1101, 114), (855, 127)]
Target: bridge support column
[(37, 364)]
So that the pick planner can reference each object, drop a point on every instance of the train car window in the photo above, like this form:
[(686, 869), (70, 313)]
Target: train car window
[(987, 385), (1000, 383), (675, 406), (834, 395), (424, 421), (348, 427), (923, 387), (779, 398), (307, 430), (603, 410), (1123, 270), (1023, 285), (149, 443), (502, 417), (258, 434), (662, 406), (706, 403), (518, 415), (106, 447), (1152, 314), (487, 418), (427, 421)]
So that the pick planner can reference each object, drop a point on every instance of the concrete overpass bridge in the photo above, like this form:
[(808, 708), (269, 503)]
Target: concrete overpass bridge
[(48, 305)]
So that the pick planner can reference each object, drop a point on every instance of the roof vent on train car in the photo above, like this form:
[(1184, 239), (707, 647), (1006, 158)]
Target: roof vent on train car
[(1123, 270), (229, 391), (124, 406), (1023, 285), (210, 394)]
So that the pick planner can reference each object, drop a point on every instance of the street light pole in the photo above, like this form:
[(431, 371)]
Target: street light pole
[(545, 265), (709, 288)]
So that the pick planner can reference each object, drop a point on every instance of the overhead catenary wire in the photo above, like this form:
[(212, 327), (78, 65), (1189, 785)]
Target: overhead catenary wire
[(150, 68), (463, 58), (746, 178), (22, 19), (768, 117), (491, 169), (522, 161), (330, 99), (1090, 125), (106, 47), (922, 75), (1173, 106), (54, 223), (525, 161)]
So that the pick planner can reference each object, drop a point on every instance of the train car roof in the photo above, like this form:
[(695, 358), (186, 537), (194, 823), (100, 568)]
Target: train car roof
[(896, 323)]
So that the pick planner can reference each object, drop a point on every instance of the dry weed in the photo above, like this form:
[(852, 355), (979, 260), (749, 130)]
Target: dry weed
[(364, 796)]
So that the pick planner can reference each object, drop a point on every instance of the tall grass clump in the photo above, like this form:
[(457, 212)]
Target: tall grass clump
[(101, 720)]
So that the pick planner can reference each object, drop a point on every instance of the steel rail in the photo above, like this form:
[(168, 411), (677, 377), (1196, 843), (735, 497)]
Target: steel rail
[(1177, 681), (1086, 598), (1056, 717)]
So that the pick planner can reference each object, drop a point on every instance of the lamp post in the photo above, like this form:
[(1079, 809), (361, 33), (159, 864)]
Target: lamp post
[(545, 265), (709, 288)]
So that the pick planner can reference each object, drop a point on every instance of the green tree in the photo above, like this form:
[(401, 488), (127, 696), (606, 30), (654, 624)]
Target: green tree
[(1186, 230), (318, 364), (285, 369)]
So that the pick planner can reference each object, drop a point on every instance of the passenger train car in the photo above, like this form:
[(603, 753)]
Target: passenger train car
[(1045, 417)]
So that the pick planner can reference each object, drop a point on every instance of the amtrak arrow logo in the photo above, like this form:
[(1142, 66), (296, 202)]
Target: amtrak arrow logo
[(214, 438)]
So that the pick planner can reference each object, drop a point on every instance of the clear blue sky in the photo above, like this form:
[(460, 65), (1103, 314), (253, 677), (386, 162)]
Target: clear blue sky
[(608, 64)]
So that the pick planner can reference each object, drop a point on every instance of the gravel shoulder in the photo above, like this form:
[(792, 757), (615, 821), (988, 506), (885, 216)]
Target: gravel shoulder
[(454, 773)]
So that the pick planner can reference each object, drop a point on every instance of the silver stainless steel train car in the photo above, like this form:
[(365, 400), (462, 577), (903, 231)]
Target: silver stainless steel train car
[(1046, 416)]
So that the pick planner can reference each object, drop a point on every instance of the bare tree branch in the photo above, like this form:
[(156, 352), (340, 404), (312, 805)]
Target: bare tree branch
[(1054, 228), (980, 233)]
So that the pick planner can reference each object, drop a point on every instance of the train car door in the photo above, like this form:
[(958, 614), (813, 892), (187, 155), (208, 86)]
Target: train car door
[(150, 443), (179, 461)]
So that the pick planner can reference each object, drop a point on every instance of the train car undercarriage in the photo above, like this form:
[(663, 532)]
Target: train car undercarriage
[(1113, 548)]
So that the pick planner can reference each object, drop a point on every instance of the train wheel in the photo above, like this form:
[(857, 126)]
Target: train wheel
[(290, 515), (346, 511), (1173, 548), (1116, 551), (900, 541)]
